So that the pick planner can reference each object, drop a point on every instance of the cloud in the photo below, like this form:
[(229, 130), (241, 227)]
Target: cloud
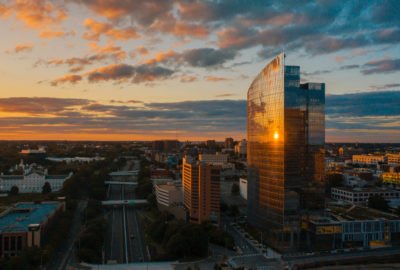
[(39, 105), (202, 57), (70, 78), (381, 66), (142, 50), (188, 78), (101, 54), (364, 104), (19, 48), (55, 34), (386, 86), (42, 15), (226, 95), (144, 13), (215, 78), (134, 74), (352, 117), (207, 57), (96, 29), (346, 67)]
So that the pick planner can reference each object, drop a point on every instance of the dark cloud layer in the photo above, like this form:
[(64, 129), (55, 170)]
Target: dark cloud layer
[(381, 66), (369, 111)]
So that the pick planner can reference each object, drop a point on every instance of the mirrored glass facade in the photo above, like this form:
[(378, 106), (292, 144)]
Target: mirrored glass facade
[(286, 136)]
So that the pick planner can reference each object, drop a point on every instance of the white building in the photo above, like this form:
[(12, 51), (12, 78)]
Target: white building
[(360, 196), (241, 148), (243, 188), (168, 194), (368, 159), (32, 180)]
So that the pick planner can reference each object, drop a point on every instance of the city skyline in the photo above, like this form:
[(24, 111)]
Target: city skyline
[(125, 70)]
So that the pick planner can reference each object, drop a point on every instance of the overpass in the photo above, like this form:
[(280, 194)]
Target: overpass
[(124, 173), (120, 183), (124, 202)]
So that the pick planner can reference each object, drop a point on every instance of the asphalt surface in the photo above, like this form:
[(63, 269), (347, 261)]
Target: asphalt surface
[(124, 240)]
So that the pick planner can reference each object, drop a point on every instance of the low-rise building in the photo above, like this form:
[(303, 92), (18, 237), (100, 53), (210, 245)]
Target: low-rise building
[(217, 159), (351, 227), (368, 159), (393, 158), (360, 196), (24, 225), (170, 198), (32, 180), (391, 177)]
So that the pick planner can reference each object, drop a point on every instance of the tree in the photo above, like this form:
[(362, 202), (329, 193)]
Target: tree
[(235, 189), (234, 210), (46, 189), (378, 202), (14, 190)]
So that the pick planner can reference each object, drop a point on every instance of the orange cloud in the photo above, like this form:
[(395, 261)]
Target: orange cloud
[(41, 15), (142, 50), (70, 78), (97, 29), (162, 56), (193, 30), (55, 34), (21, 48), (215, 78), (188, 78), (110, 50)]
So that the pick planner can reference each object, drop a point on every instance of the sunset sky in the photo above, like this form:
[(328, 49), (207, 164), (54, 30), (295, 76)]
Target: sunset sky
[(134, 69)]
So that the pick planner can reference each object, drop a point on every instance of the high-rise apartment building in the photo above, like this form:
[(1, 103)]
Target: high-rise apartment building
[(201, 190), (285, 151)]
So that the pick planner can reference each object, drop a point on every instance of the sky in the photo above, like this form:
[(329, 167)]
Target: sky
[(180, 69)]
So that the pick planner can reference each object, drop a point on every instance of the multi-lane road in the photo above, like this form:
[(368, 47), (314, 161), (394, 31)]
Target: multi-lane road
[(124, 239)]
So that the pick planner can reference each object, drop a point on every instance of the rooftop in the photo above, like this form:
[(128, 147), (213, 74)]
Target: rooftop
[(352, 213), (19, 217), (366, 189)]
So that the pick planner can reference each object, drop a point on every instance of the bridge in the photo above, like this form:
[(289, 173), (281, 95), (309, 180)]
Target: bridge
[(124, 202), (124, 173), (120, 183)]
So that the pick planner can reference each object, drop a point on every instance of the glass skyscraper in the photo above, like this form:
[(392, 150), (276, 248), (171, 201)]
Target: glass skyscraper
[(286, 137)]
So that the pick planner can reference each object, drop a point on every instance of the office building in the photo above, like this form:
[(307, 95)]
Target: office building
[(201, 190), (285, 151), (229, 143), (165, 146)]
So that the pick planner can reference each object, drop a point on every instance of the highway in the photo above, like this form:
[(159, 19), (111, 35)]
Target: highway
[(124, 240)]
